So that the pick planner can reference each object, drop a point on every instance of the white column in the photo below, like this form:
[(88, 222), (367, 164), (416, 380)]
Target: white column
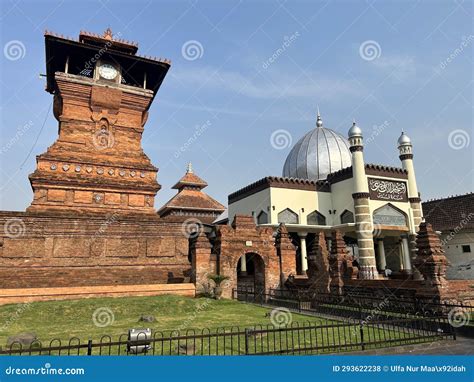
[(381, 255), (406, 254), (304, 256), (243, 264)]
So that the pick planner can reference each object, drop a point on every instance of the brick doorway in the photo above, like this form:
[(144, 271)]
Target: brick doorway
[(251, 276)]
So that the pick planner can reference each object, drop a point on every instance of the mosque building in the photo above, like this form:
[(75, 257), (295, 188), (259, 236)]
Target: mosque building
[(326, 186)]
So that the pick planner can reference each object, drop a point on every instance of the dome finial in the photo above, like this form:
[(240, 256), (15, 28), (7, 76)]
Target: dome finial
[(189, 169), (319, 121)]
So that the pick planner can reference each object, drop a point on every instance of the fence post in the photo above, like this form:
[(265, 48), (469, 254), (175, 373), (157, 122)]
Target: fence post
[(361, 331), (247, 341), (89, 347)]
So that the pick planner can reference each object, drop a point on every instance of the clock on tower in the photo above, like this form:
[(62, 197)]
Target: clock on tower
[(102, 93)]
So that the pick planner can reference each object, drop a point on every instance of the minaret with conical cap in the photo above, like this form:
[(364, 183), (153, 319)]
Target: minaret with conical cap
[(362, 215), (405, 149)]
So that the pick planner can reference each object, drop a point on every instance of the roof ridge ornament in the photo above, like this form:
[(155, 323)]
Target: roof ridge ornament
[(189, 169), (108, 35)]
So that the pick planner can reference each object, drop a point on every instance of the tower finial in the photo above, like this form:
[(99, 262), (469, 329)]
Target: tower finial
[(189, 169), (108, 34)]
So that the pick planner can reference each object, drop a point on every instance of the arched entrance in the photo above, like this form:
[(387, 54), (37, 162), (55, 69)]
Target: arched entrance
[(251, 273)]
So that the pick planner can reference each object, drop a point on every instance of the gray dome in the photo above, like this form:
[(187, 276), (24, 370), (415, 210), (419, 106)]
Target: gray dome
[(404, 140), (320, 152), (354, 131)]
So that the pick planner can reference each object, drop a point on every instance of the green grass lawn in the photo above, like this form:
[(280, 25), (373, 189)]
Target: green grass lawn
[(75, 318), (95, 318)]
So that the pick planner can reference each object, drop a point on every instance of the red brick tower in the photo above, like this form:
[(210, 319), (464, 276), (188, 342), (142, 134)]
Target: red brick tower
[(102, 92)]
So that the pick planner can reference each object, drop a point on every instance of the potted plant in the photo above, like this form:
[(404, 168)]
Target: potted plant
[(218, 280)]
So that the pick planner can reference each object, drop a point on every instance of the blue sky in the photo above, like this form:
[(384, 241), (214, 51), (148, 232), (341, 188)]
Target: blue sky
[(258, 70)]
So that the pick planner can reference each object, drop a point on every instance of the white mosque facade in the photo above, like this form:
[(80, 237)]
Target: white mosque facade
[(326, 186)]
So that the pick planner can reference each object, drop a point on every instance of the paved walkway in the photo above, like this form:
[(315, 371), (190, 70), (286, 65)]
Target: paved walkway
[(461, 346)]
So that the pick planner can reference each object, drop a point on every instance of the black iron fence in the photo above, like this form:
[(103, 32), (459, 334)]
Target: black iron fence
[(295, 338), (358, 307)]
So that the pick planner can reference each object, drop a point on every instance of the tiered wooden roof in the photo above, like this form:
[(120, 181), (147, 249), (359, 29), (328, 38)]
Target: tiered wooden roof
[(190, 200)]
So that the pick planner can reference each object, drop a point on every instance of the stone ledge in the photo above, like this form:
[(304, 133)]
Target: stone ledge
[(20, 295)]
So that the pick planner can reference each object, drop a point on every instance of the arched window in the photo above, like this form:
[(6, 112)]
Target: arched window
[(316, 218), (288, 216), (262, 218), (347, 217)]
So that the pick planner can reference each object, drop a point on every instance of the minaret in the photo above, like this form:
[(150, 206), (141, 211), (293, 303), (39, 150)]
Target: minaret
[(405, 149), (362, 215)]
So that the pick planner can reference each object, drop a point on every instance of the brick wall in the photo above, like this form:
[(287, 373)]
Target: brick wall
[(59, 250)]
